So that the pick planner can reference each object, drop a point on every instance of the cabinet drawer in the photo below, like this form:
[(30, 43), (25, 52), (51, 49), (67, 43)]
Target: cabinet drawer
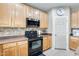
[(22, 42), (8, 45)]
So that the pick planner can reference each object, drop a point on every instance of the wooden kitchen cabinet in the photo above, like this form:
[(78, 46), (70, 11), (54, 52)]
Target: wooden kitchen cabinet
[(43, 20), (5, 15), (47, 42), (10, 51), (36, 14), (78, 18), (18, 16), (14, 49), (6, 52), (75, 18), (74, 43), (29, 12), (23, 48), (0, 50), (32, 12), (14, 15)]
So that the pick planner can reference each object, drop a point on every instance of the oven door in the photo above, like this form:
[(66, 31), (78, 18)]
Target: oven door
[(35, 47)]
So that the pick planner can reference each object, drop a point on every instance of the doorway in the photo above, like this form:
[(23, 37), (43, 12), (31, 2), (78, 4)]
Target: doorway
[(61, 31)]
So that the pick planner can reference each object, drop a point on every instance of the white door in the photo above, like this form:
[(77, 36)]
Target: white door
[(60, 26)]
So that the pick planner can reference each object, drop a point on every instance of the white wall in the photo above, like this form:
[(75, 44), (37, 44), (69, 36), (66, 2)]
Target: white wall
[(49, 30)]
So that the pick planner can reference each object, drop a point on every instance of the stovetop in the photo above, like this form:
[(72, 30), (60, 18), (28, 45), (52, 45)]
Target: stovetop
[(34, 39)]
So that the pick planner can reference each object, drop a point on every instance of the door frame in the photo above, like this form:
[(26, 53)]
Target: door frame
[(68, 30)]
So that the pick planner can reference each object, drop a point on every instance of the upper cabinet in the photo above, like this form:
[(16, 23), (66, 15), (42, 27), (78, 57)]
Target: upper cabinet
[(29, 12), (14, 15), (74, 19), (43, 20), (36, 14), (5, 15), (18, 15), (78, 18)]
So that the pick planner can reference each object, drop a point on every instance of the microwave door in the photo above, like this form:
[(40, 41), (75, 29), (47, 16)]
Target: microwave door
[(32, 23), (29, 22)]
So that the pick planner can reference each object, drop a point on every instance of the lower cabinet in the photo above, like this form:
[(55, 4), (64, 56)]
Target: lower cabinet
[(10, 52), (6, 52), (74, 43), (14, 49), (47, 42), (23, 50), (0, 52)]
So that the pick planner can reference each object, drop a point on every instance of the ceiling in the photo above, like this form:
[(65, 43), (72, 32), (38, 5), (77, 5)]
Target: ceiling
[(48, 6)]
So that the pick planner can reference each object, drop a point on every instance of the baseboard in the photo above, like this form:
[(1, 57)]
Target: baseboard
[(60, 49)]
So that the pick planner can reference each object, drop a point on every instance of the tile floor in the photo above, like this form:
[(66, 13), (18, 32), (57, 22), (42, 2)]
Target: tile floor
[(57, 52)]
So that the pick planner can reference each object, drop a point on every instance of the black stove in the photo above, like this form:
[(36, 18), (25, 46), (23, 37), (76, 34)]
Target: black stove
[(31, 34), (35, 43)]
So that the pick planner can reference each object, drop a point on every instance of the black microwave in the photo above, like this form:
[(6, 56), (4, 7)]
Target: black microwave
[(30, 22)]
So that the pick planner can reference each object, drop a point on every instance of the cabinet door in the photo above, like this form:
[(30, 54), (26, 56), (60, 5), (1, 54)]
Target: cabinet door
[(23, 50), (78, 18), (10, 51), (49, 41), (18, 17), (5, 15), (6, 52), (36, 14), (45, 43), (43, 20), (0, 51), (74, 43), (74, 19), (29, 11), (13, 51), (46, 20)]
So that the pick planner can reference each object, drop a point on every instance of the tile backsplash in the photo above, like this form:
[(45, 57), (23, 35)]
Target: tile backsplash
[(11, 32), (17, 31)]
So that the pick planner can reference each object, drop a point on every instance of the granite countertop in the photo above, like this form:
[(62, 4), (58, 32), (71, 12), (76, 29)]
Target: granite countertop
[(9, 39)]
